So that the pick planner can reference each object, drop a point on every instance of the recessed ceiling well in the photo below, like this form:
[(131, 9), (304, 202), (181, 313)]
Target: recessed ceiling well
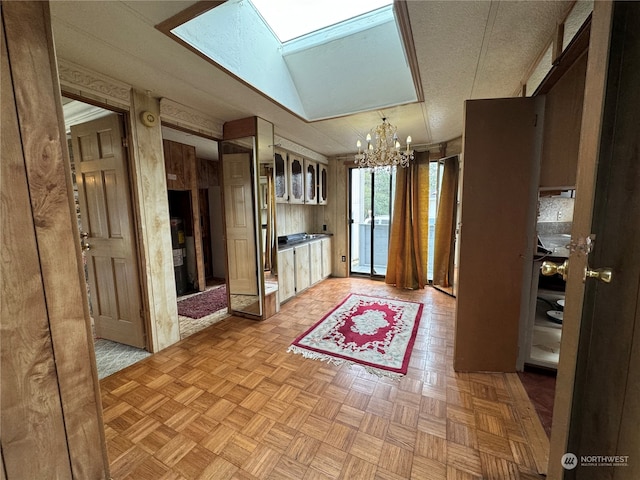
[(339, 65)]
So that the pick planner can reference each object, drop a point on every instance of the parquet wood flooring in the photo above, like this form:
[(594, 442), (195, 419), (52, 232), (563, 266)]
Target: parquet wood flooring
[(230, 403)]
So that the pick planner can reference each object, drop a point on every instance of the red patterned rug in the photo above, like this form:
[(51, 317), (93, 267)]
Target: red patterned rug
[(377, 333), (204, 303)]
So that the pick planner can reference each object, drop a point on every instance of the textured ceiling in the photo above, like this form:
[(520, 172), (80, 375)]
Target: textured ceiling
[(464, 50)]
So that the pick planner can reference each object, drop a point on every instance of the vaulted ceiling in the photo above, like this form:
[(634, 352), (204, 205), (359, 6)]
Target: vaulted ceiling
[(464, 50)]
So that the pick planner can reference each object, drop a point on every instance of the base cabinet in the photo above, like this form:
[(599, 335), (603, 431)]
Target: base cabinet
[(301, 266), (286, 278)]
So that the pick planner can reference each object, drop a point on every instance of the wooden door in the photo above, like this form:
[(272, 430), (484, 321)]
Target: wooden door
[(502, 140), (205, 230), (310, 181), (286, 274), (239, 219), (107, 221), (598, 410)]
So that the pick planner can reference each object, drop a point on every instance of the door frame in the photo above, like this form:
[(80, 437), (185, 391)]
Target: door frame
[(595, 87), (135, 212), (371, 274)]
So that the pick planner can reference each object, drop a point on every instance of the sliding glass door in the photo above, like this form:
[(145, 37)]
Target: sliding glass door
[(371, 207)]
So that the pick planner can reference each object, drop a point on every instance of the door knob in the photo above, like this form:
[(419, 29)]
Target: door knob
[(83, 241), (603, 274), (550, 268)]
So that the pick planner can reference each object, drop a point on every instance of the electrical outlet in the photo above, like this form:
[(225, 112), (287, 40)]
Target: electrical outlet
[(344, 259)]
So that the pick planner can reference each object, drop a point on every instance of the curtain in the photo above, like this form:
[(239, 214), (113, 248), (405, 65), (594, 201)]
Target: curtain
[(270, 250), (407, 262), (443, 254)]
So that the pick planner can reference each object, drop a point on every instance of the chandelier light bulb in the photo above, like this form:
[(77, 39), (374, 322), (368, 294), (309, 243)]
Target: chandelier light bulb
[(385, 152), (359, 144)]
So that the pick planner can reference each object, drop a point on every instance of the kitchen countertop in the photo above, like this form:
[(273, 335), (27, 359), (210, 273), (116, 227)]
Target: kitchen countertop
[(307, 238)]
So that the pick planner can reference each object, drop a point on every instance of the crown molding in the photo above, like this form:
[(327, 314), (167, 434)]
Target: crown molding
[(83, 82), (299, 149), (186, 117)]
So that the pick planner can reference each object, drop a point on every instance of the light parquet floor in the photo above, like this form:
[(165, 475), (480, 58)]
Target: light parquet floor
[(230, 403)]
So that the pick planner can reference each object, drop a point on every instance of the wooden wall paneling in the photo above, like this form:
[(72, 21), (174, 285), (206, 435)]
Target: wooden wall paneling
[(191, 175), (562, 121), (68, 351), (26, 399), (244, 127), (150, 187)]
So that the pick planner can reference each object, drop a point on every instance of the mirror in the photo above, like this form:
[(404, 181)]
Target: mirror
[(243, 226)]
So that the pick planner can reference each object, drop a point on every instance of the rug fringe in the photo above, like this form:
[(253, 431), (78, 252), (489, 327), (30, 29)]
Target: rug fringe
[(341, 361)]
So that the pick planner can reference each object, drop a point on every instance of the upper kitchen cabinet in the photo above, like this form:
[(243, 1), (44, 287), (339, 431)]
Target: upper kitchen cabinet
[(310, 181), (296, 179), (322, 184), (281, 166), (500, 171), (563, 117)]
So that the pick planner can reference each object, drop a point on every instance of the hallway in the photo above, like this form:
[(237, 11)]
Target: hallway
[(230, 403)]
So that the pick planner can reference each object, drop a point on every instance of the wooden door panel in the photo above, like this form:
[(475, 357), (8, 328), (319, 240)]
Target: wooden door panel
[(106, 216), (500, 174), (241, 244), (605, 409)]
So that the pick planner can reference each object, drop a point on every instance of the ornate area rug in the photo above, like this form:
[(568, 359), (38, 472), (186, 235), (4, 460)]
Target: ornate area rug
[(377, 333), (204, 303)]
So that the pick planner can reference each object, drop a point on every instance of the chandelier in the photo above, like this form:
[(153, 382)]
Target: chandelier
[(385, 152)]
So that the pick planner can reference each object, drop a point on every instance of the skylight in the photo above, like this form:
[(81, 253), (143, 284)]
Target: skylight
[(289, 19), (329, 67)]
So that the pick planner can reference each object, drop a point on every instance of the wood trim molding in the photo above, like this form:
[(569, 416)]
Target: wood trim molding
[(187, 117), (404, 23), (187, 14), (299, 149), (83, 82)]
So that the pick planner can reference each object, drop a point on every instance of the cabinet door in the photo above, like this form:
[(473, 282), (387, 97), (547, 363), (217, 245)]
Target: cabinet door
[(310, 182), (326, 257), (302, 267), (296, 179), (499, 191), (281, 176), (315, 261), (322, 184), (286, 274)]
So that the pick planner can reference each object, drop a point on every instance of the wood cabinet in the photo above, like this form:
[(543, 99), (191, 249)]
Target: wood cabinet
[(299, 180), (310, 181), (315, 268), (296, 179), (326, 257), (286, 276), (281, 182), (302, 266), (322, 184)]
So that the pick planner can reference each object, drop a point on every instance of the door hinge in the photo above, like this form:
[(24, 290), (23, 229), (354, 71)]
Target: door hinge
[(125, 142)]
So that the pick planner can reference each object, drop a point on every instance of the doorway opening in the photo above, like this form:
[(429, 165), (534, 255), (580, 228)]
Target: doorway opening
[(100, 174), (196, 220), (371, 194)]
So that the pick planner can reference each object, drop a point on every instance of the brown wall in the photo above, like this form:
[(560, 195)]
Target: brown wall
[(50, 405)]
